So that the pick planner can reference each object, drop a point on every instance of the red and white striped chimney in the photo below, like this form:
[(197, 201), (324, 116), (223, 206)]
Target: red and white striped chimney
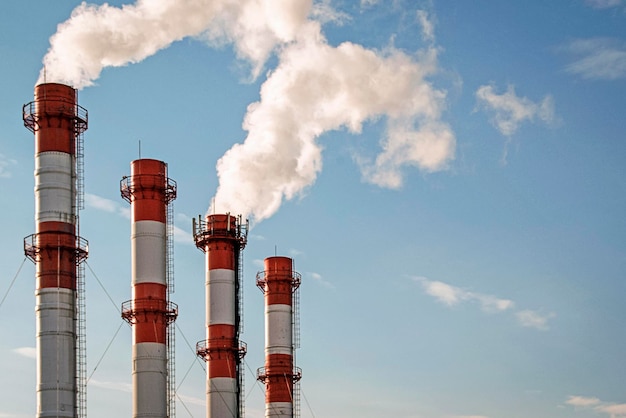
[(149, 192), (222, 237), (280, 285), (57, 250)]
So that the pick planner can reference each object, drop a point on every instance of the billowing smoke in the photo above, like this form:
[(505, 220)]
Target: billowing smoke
[(95, 37), (317, 88)]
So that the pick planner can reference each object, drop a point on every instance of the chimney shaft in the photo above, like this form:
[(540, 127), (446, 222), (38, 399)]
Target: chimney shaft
[(56, 249), (149, 191), (222, 237), (279, 283)]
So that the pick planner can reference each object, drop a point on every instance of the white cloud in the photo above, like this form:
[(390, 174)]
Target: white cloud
[(582, 401), (613, 410), (598, 58), (323, 12), (260, 264), (533, 319), (29, 352), (191, 400), (181, 235), (106, 205), (428, 27), (5, 166), (451, 295), (119, 386), (369, 3), (508, 110), (295, 252), (319, 279), (444, 293)]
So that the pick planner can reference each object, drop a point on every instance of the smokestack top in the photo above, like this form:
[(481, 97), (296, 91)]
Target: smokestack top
[(55, 90), (278, 264), (148, 166)]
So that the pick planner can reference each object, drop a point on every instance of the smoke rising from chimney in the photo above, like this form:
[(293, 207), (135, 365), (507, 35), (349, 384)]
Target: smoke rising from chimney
[(95, 37), (317, 88)]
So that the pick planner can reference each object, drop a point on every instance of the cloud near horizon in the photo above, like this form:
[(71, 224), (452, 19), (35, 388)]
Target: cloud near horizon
[(450, 295), (508, 110), (613, 410), (28, 352)]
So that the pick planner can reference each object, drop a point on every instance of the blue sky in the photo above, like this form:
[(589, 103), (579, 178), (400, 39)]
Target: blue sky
[(448, 177)]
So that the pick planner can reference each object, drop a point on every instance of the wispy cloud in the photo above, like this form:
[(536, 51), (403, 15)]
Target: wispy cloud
[(508, 110), (260, 264), (613, 410), (582, 401), (319, 279), (450, 295), (324, 12), (119, 386), (29, 352), (598, 58), (369, 3), (5, 166), (604, 4), (181, 235), (106, 205), (427, 24), (191, 399), (533, 319)]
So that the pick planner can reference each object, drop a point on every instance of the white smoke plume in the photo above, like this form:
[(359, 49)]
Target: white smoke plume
[(317, 88), (95, 37)]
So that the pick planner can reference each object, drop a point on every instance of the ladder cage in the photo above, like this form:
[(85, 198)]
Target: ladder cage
[(169, 279)]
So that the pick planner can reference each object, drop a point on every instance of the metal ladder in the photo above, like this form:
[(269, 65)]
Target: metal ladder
[(241, 370), (80, 308), (171, 329), (81, 344)]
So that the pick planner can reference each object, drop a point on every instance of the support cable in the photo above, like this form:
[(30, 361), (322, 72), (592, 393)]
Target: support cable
[(307, 402), (13, 281), (186, 374), (258, 383), (184, 406), (103, 288), (105, 351), (193, 350)]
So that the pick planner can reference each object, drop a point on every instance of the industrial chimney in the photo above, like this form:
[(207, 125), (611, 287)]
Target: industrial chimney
[(280, 284), (221, 238), (151, 314), (57, 249)]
